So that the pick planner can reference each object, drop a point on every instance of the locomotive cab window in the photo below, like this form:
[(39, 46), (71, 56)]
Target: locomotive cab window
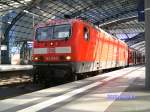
[(53, 32), (62, 31), (86, 33), (44, 33)]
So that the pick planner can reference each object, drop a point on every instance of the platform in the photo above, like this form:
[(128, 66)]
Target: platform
[(5, 68), (118, 91)]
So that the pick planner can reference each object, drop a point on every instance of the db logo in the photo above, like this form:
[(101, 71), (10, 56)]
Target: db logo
[(52, 58), (51, 50)]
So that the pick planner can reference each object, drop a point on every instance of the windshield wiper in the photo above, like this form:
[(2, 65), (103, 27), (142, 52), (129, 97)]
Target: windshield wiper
[(66, 38)]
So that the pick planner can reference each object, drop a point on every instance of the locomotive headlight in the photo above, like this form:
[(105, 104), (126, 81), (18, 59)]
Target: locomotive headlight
[(51, 43), (68, 57), (36, 58)]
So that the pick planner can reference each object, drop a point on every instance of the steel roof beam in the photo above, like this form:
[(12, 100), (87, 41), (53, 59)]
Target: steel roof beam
[(118, 21), (71, 5), (139, 36), (116, 15), (20, 14)]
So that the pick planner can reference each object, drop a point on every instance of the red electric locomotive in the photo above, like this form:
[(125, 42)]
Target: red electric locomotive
[(69, 48)]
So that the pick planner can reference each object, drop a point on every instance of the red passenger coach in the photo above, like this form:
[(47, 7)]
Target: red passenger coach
[(69, 48), (131, 55), (135, 57)]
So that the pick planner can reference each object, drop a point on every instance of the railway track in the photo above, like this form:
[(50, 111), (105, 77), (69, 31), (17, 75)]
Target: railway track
[(14, 83), (15, 77), (20, 82)]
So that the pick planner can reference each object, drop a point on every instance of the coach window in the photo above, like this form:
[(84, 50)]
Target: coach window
[(86, 33)]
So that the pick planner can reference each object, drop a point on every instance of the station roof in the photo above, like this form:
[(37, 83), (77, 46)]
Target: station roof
[(118, 17)]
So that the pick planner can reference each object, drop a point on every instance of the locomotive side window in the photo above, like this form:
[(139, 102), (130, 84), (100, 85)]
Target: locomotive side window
[(86, 33)]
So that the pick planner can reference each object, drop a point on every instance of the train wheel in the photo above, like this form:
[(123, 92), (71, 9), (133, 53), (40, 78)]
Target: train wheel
[(36, 73), (48, 77), (74, 77), (81, 76)]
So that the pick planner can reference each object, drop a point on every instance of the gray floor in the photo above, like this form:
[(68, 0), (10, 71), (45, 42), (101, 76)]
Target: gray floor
[(110, 92)]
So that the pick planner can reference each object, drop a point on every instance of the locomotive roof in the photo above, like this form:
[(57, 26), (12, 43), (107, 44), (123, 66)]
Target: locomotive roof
[(67, 21), (54, 22)]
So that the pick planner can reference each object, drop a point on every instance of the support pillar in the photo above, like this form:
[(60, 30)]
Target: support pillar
[(147, 41), (5, 53), (0, 46)]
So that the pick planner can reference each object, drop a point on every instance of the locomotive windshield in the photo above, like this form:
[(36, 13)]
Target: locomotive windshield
[(53, 32)]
